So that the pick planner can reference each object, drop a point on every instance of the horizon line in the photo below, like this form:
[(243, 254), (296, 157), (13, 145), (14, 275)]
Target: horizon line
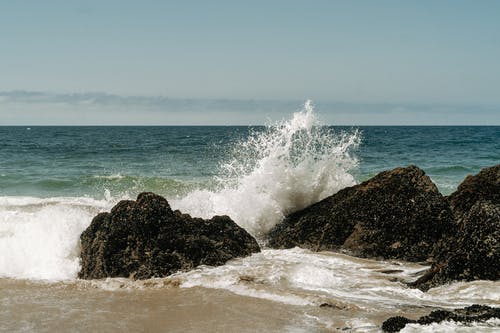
[(235, 125)]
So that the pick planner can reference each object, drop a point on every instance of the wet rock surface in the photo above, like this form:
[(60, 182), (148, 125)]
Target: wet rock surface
[(397, 214), (474, 313), (145, 238)]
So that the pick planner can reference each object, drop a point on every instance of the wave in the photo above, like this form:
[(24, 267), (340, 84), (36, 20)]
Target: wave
[(39, 238), (130, 186), (278, 169), (96, 185), (275, 171), (453, 169)]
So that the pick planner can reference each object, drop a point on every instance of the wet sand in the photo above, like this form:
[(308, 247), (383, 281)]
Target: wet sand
[(274, 291), (77, 307)]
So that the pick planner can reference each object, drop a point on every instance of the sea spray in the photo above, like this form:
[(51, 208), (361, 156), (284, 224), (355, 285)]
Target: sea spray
[(39, 238), (276, 171)]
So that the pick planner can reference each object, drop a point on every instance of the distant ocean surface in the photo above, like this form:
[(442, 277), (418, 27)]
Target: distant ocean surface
[(87, 161), (53, 180)]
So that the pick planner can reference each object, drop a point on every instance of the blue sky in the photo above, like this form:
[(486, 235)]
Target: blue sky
[(362, 62)]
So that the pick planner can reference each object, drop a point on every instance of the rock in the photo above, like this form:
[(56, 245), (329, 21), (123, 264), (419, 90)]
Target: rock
[(485, 186), (397, 214), (473, 313), (473, 253), (145, 238), (390, 271), (396, 324), (332, 306)]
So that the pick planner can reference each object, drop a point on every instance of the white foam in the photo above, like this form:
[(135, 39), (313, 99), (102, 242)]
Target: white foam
[(39, 238), (286, 167), (491, 325), (302, 277), (110, 177), (267, 284)]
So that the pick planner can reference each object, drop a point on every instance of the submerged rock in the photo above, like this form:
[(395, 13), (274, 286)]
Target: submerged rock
[(473, 313), (145, 238), (396, 214)]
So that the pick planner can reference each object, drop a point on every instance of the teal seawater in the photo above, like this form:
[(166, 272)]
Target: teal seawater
[(90, 161)]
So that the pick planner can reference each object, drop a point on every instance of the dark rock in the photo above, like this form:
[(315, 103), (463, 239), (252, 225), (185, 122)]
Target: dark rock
[(390, 271), (145, 238), (396, 214), (472, 250), (396, 324), (485, 186), (473, 253), (326, 305), (473, 313)]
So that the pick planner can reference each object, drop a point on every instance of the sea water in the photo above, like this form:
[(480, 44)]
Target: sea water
[(53, 180)]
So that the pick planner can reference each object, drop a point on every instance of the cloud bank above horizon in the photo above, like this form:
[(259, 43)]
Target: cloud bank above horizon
[(44, 108)]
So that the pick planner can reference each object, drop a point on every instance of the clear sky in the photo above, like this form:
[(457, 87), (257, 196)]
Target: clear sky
[(407, 55)]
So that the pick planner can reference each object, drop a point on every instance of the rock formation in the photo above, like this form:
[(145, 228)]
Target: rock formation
[(396, 214), (473, 252), (145, 238)]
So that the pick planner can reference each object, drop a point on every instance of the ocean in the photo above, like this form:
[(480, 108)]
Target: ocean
[(53, 180)]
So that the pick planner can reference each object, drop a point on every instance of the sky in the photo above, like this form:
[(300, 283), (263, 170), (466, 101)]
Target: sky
[(243, 62)]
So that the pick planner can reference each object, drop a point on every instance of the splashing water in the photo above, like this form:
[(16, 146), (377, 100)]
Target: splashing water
[(39, 238), (286, 167), (275, 171)]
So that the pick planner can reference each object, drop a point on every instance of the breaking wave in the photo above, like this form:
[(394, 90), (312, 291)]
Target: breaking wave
[(39, 238), (275, 171)]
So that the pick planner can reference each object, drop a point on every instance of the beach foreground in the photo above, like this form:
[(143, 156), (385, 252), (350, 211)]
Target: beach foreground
[(274, 291)]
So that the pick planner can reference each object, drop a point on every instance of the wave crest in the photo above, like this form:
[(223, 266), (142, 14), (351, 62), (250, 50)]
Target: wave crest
[(278, 170)]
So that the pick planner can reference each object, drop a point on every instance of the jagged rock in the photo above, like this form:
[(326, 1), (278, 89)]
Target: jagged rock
[(473, 313), (396, 214), (473, 253), (485, 186), (145, 238)]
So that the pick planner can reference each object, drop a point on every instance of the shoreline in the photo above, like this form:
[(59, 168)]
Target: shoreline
[(225, 295)]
